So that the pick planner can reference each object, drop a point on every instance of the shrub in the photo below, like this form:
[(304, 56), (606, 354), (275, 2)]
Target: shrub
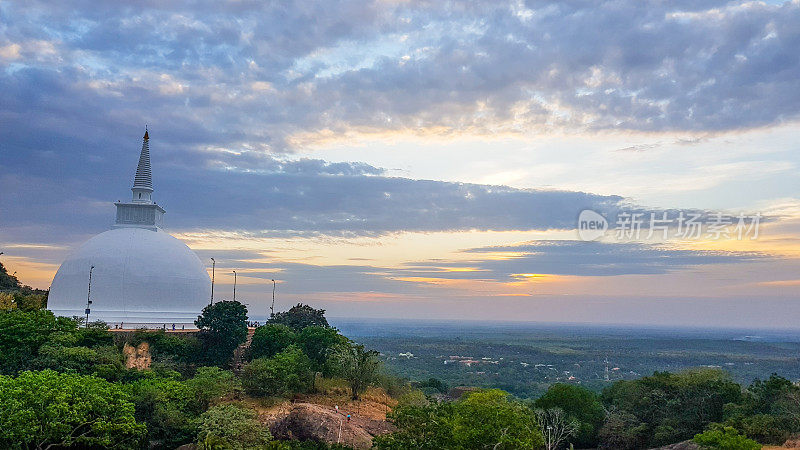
[(211, 383), (286, 373), (231, 427), (725, 438)]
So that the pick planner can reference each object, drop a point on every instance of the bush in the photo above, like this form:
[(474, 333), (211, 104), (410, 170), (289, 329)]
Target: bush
[(286, 373), (725, 438), (231, 427), (211, 383)]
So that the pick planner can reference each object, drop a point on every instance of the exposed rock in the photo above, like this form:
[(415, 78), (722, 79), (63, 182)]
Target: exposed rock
[(138, 357), (311, 422)]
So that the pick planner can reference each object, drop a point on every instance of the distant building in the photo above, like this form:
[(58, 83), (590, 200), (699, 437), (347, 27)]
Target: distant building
[(142, 276)]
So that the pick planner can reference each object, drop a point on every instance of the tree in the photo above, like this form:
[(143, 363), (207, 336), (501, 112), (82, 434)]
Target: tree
[(270, 339), (231, 427), (223, 327), (356, 365), (7, 282), (674, 407), (579, 404), (22, 334), (168, 407), (300, 316), (48, 409), (317, 342), (96, 334), (286, 373), (769, 411), (718, 437), (432, 385), (622, 431), (484, 419), (105, 362), (555, 426)]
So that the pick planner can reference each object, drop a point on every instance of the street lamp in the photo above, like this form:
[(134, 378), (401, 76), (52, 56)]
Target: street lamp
[(89, 297), (234, 285), (272, 308), (213, 267)]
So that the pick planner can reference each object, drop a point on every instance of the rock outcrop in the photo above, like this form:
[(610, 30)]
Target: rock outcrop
[(138, 357), (312, 422)]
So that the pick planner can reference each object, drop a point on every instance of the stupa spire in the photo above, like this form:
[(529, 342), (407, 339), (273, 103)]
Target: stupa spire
[(143, 181), (142, 212)]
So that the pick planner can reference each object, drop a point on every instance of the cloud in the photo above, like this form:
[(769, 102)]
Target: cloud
[(548, 257), (304, 196), (600, 259), (198, 71)]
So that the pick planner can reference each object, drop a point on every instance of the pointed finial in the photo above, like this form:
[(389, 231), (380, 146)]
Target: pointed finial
[(146, 136)]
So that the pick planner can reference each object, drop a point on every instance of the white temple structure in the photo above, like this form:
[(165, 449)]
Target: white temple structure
[(140, 275)]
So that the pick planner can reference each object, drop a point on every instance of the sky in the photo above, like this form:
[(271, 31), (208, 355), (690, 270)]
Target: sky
[(423, 160)]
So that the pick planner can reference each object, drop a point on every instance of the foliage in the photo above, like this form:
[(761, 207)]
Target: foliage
[(177, 351), (356, 365), (299, 317), (224, 327), (304, 445), (674, 407), (579, 404), (7, 282), (270, 339), (211, 383), (485, 419), (22, 334), (556, 427), (769, 411), (169, 409), (317, 342), (46, 408), (286, 373), (23, 300), (105, 362), (231, 427), (96, 334), (433, 385), (622, 431), (725, 438), (413, 398)]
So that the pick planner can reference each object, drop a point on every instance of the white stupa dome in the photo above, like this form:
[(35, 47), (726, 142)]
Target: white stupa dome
[(140, 275)]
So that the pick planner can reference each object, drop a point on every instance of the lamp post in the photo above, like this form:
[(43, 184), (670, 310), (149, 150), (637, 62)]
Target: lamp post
[(213, 268), (234, 285), (272, 308), (89, 297)]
